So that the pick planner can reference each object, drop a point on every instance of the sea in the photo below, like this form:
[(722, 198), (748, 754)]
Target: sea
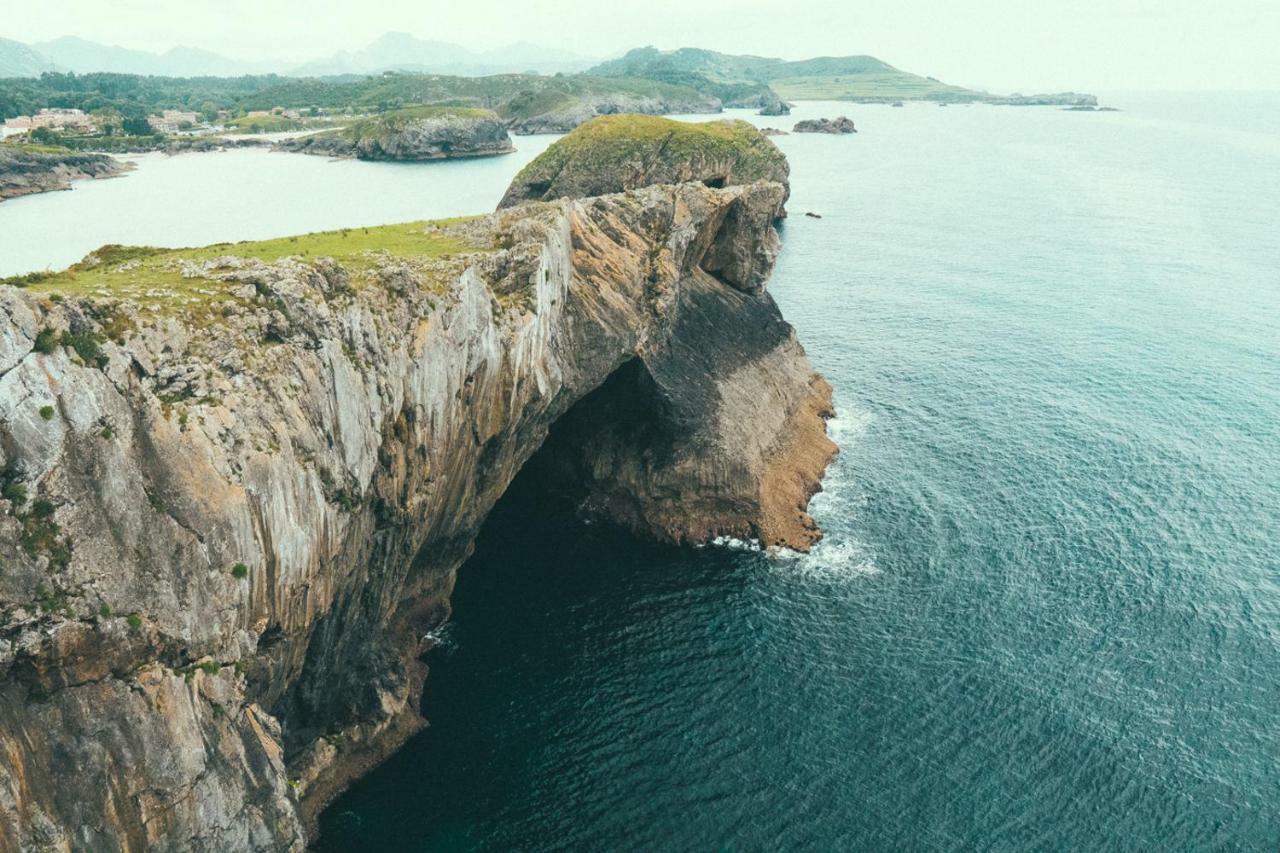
[(1046, 613)]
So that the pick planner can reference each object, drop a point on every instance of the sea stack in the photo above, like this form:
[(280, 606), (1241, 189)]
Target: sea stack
[(825, 125)]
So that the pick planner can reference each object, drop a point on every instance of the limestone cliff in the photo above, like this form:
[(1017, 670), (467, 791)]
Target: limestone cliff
[(238, 482), (417, 133)]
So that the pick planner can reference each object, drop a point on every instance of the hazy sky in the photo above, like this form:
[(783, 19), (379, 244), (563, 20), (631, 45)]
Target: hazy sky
[(1096, 45)]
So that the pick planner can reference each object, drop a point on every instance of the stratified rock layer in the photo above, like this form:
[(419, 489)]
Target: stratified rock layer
[(236, 489), (418, 133)]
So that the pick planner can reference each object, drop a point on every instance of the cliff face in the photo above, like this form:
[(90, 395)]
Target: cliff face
[(28, 169), (237, 486), (419, 133)]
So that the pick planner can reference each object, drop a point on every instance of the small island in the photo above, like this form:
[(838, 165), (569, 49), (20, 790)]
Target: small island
[(613, 154), (415, 134), (825, 125)]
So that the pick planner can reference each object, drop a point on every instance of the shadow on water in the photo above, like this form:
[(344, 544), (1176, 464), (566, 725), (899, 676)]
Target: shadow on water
[(544, 607)]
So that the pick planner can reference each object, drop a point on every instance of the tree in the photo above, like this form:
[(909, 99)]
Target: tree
[(136, 126)]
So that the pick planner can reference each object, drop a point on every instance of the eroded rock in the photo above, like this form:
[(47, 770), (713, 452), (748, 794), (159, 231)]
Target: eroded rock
[(229, 534)]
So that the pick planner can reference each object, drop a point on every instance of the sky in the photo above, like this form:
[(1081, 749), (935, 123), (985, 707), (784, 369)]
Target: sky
[(1001, 45)]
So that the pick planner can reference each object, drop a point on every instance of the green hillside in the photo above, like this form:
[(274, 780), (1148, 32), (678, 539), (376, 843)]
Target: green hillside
[(846, 78)]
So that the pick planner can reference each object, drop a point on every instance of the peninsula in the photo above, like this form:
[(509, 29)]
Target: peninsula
[(238, 481)]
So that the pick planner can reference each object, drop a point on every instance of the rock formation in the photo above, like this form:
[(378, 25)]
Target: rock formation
[(237, 482), (28, 169), (825, 125), (616, 153), (417, 133), (565, 113)]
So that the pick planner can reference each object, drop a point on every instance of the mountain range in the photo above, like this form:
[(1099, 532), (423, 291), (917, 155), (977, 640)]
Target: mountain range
[(390, 52)]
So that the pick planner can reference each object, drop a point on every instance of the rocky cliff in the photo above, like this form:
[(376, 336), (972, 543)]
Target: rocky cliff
[(418, 133), (238, 481), (28, 169), (611, 154)]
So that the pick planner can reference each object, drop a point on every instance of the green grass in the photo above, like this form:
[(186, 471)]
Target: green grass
[(600, 155), (274, 124), (389, 124), (37, 148), (154, 278)]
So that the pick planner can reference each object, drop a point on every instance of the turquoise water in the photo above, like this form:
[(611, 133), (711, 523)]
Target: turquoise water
[(1047, 614)]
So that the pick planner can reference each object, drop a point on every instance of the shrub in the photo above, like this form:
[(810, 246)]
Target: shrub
[(239, 571), (210, 667), (134, 620), (105, 611), (46, 341), (85, 346), (15, 492), (47, 412)]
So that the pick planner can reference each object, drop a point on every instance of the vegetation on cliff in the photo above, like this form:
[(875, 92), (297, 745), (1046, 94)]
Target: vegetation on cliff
[(414, 133), (611, 154)]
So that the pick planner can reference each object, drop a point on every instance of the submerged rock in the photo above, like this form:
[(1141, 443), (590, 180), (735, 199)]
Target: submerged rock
[(237, 482), (616, 153), (418, 133), (825, 125)]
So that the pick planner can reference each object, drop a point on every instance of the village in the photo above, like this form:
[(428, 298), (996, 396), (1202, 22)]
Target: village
[(168, 122)]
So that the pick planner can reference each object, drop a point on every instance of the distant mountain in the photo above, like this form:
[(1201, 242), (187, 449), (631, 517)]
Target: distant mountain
[(83, 56), (404, 52), (18, 60)]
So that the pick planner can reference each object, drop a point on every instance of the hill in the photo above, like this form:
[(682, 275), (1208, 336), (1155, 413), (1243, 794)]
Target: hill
[(18, 60), (846, 78)]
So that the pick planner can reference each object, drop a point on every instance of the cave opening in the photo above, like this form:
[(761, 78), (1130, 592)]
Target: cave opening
[(546, 588)]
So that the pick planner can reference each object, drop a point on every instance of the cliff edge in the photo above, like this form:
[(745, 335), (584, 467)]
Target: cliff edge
[(238, 481)]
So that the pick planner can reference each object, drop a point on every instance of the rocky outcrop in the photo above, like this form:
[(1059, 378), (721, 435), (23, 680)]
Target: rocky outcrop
[(418, 133), (563, 114), (776, 108), (236, 487), (28, 169), (617, 153), (825, 125)]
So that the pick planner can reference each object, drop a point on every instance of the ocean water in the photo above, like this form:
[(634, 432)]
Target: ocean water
[(1047, 611)]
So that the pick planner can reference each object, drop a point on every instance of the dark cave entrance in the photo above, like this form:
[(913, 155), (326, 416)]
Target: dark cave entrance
[(618, 430), (540, 564)]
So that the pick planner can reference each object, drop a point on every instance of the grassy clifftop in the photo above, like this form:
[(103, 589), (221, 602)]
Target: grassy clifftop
[(611, 154)]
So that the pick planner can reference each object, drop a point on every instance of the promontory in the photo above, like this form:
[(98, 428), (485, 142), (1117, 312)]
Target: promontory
[(238, 481), (417, 133)]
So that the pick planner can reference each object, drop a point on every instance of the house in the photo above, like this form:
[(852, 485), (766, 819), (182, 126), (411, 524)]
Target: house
[(59, 118), (172, 121)]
